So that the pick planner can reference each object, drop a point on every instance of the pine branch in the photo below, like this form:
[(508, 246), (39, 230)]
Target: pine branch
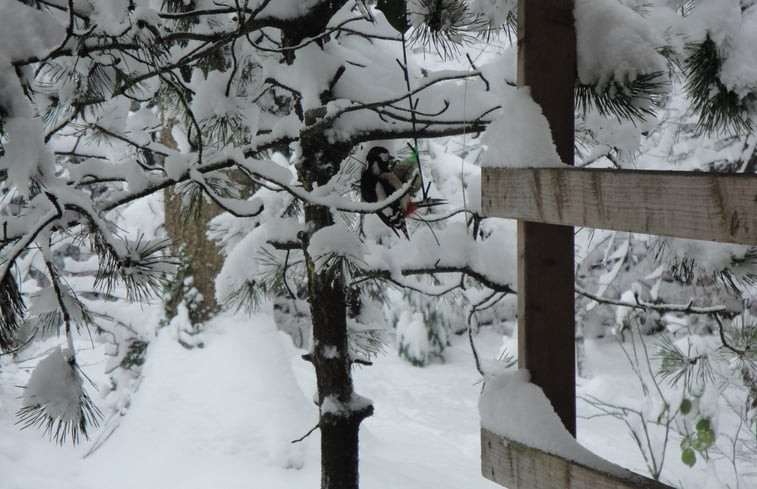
[(337, 28), (471, 128), (719, 109), (142, 268), (677, 365), (247, 298), (437, 292), (12, 308), (66, 412), (61, 430), (63, 295), (445, 25), (488, 302), (428, 83), (120, 137), (635, 100)]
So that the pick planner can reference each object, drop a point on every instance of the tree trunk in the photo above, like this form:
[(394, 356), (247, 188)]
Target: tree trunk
[(203, 259), (339, 454), (341, 412)]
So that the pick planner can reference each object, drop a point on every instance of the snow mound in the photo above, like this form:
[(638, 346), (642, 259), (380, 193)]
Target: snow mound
[(218, 409)]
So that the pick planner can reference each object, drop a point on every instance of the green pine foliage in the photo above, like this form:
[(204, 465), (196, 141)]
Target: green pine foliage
[(719, 109), (635, 100), (445, 25)]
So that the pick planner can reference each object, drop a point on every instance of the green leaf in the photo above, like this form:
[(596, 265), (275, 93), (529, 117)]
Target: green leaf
[(705, 439), (689, 457), (703, 425), (685, 406)]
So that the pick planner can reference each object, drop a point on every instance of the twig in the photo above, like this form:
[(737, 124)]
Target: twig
[(220, 201), (475, 352), (412, 106), (482, 305), (284, 276), (234, 65), (128, 141), (480, 75), (306, 42), (721, 330), (307, 434)]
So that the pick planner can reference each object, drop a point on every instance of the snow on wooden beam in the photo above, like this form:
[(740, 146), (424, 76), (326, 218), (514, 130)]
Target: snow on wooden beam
[(705, 206), (516, 465)]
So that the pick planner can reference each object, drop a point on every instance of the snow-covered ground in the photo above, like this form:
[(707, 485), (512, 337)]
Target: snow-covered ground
[(224, 416)]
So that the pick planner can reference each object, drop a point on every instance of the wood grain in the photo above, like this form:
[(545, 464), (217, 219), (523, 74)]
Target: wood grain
[(705, 206), (546, 329), (518, 466)]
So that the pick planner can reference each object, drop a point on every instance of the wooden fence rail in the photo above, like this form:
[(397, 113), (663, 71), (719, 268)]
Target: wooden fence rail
[(515, 465), (706, 206)]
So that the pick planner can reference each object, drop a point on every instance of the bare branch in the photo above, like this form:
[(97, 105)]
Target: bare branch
[(310, 432), (644, 306), (440, 269), (721, 331)]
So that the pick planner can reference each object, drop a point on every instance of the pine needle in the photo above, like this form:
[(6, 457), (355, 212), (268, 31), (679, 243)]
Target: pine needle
[(720, 110)]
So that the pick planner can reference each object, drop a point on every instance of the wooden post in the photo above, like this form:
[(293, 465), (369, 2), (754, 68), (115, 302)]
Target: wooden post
[(546, 330)]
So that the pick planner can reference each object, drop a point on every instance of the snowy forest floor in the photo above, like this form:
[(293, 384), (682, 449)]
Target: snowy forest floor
[(224, 416)]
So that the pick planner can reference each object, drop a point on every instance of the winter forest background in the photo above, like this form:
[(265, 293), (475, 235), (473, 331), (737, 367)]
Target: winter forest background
[(190, 281)]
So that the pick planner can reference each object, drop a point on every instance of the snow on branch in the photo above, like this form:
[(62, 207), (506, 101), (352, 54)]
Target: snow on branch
[(688, 308), (55, 399), (458, 253), (482, 278)]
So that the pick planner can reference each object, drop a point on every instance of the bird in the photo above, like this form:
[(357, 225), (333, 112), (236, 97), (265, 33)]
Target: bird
[(378, 181)]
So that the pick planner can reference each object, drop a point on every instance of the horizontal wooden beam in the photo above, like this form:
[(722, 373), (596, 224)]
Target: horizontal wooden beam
[(706, 206), (515, 465)]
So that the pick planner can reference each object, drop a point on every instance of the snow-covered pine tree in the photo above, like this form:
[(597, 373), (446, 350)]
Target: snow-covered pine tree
[(293, 94), (82, 105)]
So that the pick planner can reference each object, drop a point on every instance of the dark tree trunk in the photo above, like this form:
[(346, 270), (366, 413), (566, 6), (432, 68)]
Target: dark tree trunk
[(340, 414), (340, 411), (339, 453)]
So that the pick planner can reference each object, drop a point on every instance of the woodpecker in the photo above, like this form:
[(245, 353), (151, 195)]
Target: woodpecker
[(379, 181)]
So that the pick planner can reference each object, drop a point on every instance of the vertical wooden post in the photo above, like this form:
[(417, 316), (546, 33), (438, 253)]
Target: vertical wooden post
[(546, 330)]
